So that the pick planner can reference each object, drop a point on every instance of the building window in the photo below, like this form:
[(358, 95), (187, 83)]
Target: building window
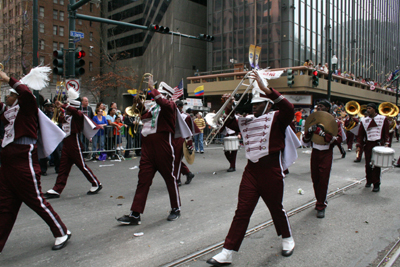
[(41, 60), (61, 46), (91, 7), (41, 12), (62, 15), (90, 23), (4, 3), (62, 2), (55, 14), (55, 46), (41, 27), (55, 1), (41, 43), (90, 66), (91, 51), (79, 21), (79, 48), (61, 31), (54, 30), (91, 36)]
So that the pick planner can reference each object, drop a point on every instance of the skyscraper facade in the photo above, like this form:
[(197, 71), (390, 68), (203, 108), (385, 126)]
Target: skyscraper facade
[(364, 34)]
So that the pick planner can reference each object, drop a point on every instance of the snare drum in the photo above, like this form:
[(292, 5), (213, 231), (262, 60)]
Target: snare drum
[(231, 143), (382, 156)]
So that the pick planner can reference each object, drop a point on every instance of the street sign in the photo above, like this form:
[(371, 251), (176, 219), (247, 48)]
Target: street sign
[(77, 39), (76, 34), (74, 84)]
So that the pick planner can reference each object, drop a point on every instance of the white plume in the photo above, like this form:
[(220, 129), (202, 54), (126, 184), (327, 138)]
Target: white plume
[(72, 93), (37, 78)]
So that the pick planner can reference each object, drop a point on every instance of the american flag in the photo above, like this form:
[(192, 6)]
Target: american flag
[(178, 91), (390, 77)]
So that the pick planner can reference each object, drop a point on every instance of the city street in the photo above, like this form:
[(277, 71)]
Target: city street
[(359, 225)]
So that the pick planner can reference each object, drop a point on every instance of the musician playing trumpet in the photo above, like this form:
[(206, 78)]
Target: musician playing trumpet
[(263, 175)]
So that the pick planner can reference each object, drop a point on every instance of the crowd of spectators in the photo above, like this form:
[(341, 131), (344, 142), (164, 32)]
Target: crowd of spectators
[(345, 74)]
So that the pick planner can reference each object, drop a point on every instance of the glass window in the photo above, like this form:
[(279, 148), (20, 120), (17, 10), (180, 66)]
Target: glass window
[(41, 44), (55, 14), (54, 30), (61, 45), (61, 31), (55, 46), (41, 12), (55, 1), (79, 21), (91, 36), (41, 60), (90, 66), (91, 51), (62, 15), (41, 27), (61, 2)]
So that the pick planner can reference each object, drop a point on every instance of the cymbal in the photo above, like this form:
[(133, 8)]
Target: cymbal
[(324, 119), (189, 157)]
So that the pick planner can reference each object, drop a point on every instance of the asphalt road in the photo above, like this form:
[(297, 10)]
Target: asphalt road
[(358, 226)]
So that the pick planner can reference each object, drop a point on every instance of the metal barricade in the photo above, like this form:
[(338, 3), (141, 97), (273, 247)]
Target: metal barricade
[(111, 144)]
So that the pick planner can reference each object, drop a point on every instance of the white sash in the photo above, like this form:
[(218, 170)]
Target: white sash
[(9, 131)]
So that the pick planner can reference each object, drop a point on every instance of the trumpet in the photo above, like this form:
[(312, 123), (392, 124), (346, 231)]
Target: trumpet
[(137, 107), (215, 120)]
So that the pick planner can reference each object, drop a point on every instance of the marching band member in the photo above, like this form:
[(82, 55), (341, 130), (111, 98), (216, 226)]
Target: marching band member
[(230, 155), (392, 129), (321, 159), (20, 170), (350, 119), (374, 131), (180, 167), (264, 152), (73, 124), (160, 124)]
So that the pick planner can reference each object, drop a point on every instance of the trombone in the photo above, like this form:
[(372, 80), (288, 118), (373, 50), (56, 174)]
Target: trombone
[(56, 112), (215, 120), (136, 110)]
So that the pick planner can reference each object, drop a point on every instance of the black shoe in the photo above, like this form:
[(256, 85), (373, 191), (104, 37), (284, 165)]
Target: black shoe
[(216, 263), (50, 195), (174, 214), (344, 155), (96, 191), (126, 219), (287, 253), (376, 188), (231, 169), (321, 214), (62, 245), (44, 173), (56, 171), (179, 183), (368, 185), (189, 178), (357, 160), (138, 154), (201, 152), (396, 165)]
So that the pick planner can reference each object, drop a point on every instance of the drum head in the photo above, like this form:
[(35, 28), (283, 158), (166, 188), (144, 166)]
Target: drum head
[(383, 150)]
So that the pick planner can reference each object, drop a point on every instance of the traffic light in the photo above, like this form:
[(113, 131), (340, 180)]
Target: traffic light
[(58, 62), (206, 37), (158, 28), (315, 79), (79, 63), (290, 77)]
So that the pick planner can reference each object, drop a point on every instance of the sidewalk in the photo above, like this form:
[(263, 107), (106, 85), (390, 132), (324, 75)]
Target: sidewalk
[(358, 225)]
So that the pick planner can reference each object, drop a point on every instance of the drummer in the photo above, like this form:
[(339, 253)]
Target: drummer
[(374, 131)]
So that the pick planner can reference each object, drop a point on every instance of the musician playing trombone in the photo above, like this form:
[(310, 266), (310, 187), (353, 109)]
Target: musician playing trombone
[(263, 175)]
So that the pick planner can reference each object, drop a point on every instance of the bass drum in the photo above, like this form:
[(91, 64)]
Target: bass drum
[(231, 143), (382, 157)]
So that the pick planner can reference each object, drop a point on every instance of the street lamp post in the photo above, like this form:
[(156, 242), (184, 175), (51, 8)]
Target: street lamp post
[(329, 68)]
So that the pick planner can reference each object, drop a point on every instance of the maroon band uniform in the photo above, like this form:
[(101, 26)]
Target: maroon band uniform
[(157, 152), (373, 132), (20, 169), (263, 149), (71, 152), (321, 165)]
